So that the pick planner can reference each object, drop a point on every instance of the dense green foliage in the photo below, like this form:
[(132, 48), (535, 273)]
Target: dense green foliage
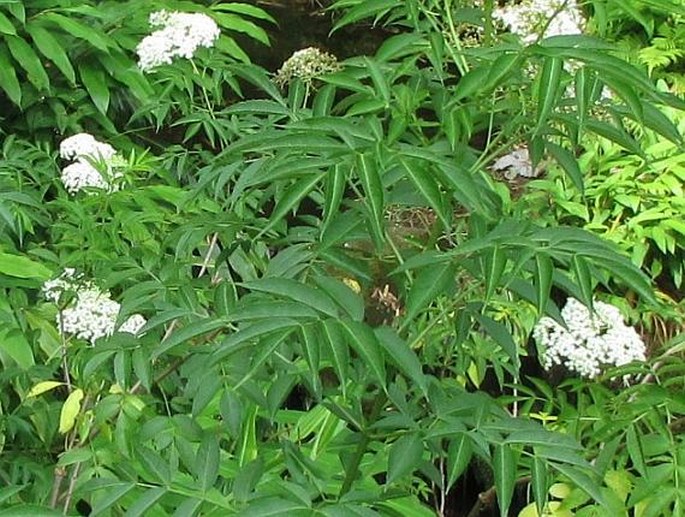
[(339, 288)]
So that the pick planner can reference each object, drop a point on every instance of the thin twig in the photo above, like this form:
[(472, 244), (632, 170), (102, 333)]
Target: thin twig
[(487, 499), (72, 484), (208, 255), (60, 472)]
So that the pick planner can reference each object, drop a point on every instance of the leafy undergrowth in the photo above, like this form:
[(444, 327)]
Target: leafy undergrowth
[(399, 284)]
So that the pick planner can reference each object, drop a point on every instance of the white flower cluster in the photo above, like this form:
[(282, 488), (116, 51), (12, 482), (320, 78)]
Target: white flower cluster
[(179, 35), (96, 163), (92, 313), (306, 64), (531, 19), (589, 342)]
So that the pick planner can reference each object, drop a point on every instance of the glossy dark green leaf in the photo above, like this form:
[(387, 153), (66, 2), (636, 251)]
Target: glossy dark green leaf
[(156, 467), (583, 481), (459, 455), (627, 93), (400, 45), (499, 332), (374, 195), (349, 301), (246, 335), (77, 29), (549, 81), (206, 466), (365, 343), (501, 67), (6, 26), (428, 285), (8, 77), (27, 58), (584, 279), (335, 188), (404, 457), (504, 469), (544, 271), (291, 199), (232, 22), (494, 264), (244, 9), (635, 450), (364, 10), (146, 501), (427, 187), (311, 344), (338, 351), (615, 134), (51, 48), (568, 162), (94, 80), (187, 334), (539, 482), (258, 77), (398, 351), (247, 479), (284, 287), (379, 79)]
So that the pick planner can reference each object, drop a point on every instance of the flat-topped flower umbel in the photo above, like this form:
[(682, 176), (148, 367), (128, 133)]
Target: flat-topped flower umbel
[(91, 313), (179, 35), (95, 164), (590, 342)]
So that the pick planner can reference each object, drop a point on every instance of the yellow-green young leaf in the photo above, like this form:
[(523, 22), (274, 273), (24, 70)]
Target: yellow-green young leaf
[(70, 411), (619, 481), (22, 267), (43, 387), (15, 348)]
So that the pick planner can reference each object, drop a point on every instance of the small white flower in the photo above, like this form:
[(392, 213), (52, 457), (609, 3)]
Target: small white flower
[(133, 324), (589, 342), (69, 280), (85, 145), (96, 165), (91, 316), (80, 175), (92, 313), (306, 64), (179, 35), (531, 19)]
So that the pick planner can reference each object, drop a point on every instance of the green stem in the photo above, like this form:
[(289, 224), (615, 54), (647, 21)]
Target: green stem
[(204, 91), (488, 8), (363, 444)]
